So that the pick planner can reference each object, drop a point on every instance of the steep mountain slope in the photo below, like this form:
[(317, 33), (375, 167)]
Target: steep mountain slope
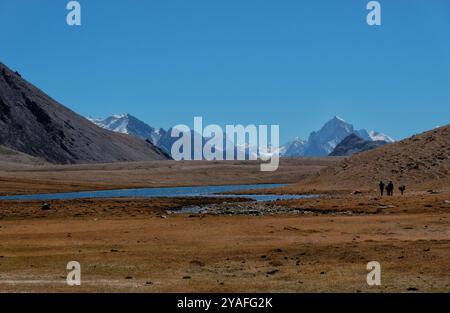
[(422, 161), (354, 144), (33, 123), (9, 156)]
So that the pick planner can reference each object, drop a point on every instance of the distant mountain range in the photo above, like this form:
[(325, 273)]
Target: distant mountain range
[(34, 124), (130, 125), (320, 143), (325, 140)]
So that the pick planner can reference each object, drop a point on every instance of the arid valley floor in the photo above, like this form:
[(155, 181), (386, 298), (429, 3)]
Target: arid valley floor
[(134, 245)]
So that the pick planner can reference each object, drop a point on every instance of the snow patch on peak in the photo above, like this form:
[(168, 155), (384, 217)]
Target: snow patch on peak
[(377, 136), (130, 125), (336, 117)]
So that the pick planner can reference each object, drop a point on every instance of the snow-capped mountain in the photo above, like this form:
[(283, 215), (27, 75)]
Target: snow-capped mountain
[(293, 148), (325, 140), (374, 136), (320, 143), (128, 124)]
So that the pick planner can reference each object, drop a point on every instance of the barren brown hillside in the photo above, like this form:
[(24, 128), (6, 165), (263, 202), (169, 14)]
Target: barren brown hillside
[(9, 157), (419, 162), (35, 124)]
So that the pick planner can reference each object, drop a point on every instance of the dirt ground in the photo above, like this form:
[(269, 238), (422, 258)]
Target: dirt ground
[(138, 249)]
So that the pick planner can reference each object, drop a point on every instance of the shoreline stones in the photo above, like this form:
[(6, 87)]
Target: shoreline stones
[(253, 209)]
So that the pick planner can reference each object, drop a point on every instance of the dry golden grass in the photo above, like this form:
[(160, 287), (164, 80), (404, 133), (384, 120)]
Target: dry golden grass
[(227, 254), (19, 179)]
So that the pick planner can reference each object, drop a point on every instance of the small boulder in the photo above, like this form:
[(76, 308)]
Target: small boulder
[(272, 272), (46, 207)]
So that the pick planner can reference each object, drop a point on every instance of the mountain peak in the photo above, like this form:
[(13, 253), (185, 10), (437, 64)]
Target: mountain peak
[(336, 122), (128, 124), (337, 118)]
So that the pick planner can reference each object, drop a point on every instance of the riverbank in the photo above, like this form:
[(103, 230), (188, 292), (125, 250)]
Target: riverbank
[(25, 179)]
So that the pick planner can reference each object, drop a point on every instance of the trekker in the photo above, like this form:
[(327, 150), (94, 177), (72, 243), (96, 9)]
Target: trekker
[(402, 189), (381, 185), (390, 188)]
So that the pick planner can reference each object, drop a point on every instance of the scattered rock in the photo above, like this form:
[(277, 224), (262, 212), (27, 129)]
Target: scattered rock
[(254, 208), (46, 207), (412, 289), (290, 228), (128, 277), (149, 283), (197, 263), (114, 250), (186, 277), (272, 272), (276, 263)]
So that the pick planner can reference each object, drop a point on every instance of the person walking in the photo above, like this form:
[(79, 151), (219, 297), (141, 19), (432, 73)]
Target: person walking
[(390, 188), (402, 189), (381, 185)]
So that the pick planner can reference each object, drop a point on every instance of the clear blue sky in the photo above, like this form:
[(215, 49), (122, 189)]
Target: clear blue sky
[(294, 63)]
